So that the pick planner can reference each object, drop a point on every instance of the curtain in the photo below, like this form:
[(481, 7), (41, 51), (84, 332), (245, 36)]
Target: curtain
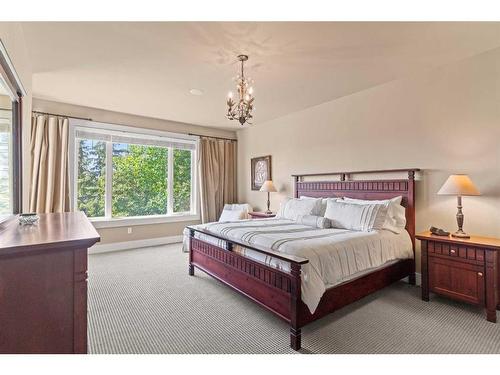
[(217, 169), (49, 187)]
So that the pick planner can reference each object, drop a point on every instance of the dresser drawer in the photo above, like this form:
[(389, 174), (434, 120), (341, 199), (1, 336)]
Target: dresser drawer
[(457, 279), (467, 254)]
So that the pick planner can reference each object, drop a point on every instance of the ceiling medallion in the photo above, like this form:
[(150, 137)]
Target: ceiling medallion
[(241, 109)]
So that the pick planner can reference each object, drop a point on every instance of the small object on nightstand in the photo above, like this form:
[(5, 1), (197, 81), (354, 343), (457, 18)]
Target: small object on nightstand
[(459, 185), (261, 215), (466, 270), (439, 232)]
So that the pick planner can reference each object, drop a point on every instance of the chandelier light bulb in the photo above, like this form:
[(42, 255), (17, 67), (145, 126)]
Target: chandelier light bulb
[(230, 95)]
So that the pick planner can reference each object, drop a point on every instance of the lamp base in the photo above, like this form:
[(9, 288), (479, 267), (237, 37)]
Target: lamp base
[(460, 234), (269, 212)]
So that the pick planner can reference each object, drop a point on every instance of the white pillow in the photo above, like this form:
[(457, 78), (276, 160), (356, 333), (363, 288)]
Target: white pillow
[(234, 212), (396, 214), (292, 208), (314, 221), (242, 206), (359, 217), (283, 204), (321, 207)]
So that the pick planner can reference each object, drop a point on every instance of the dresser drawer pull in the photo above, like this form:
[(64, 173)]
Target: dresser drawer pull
[(453, 251), (480, 274)]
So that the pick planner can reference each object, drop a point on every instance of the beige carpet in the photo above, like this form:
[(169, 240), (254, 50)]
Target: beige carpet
[(143, 301)]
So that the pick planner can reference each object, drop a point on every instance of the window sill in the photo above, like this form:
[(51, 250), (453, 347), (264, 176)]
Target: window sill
[(131, 221)]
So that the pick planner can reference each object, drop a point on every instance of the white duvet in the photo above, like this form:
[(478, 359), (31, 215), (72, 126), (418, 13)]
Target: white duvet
[(335, 255)]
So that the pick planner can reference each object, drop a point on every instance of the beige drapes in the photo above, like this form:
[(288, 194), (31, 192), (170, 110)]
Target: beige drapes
[(49, 188), (217, 169)]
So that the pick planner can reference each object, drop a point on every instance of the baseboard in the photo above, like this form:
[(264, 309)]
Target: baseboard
[(418, 279), (126, 245)]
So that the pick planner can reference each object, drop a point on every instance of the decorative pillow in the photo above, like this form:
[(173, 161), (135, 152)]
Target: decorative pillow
[(293, 208), (359, 217), (314, 221), (395, 220), (234, 212)]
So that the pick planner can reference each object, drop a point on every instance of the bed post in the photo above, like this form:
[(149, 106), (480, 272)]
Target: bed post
[(295, 299), (191, 267), (295, 186), (411, 223)]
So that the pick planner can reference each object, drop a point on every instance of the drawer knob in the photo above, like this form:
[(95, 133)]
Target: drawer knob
[(452, 251), (480, 274)]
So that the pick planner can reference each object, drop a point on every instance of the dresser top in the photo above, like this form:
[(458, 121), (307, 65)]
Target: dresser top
[(488, 242), (53, 231)]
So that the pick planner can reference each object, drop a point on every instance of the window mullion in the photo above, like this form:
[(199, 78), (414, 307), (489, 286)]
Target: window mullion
[(109, 179), (170, 181), (192, 206)]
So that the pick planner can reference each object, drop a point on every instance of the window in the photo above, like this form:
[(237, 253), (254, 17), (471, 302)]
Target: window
[(120, 173), (6, 160)]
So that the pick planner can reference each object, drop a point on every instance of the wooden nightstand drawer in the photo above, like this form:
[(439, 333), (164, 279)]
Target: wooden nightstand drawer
[(468, 254), (456, 279)]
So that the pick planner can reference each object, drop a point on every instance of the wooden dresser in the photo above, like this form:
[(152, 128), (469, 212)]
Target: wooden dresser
[(43, 284), (463, 269)]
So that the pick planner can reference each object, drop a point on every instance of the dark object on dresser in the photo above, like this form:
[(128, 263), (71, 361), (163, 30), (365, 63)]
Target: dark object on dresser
[(280, 291), (439, 232), (463, 269), (43, 284)]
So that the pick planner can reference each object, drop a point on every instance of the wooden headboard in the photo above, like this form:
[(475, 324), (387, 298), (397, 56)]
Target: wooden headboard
[(363, 189)]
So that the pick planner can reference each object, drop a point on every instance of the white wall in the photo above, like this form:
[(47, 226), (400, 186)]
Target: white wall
[(444, 121)]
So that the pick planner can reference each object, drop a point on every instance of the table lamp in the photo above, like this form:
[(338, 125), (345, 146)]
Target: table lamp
[(459, 185), (268, 187)]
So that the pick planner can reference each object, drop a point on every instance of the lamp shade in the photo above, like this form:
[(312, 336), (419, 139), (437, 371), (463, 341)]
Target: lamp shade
[(268, 186), (458, 184)]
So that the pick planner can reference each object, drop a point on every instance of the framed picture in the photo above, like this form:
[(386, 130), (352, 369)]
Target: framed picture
[(261, 171)]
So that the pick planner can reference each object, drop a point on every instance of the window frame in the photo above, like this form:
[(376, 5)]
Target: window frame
[(108, 220), (12, 83)]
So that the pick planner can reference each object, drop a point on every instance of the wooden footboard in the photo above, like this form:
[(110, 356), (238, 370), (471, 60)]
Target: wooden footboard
[(274, 289), (279, 291)]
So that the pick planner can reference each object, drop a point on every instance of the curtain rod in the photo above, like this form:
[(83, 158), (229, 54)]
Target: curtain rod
[(56, 114), (89, 119), (209, 136)]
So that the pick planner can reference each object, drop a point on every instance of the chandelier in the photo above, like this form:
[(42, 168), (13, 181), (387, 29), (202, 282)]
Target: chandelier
[(241, 109)]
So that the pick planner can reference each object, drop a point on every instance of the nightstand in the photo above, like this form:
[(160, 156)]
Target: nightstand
[(462, 269), (261, 215)]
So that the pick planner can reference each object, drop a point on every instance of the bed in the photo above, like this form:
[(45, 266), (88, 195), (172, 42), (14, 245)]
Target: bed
[(283, 265)]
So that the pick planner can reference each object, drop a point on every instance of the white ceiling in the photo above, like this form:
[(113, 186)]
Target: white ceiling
[(148, 68)]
